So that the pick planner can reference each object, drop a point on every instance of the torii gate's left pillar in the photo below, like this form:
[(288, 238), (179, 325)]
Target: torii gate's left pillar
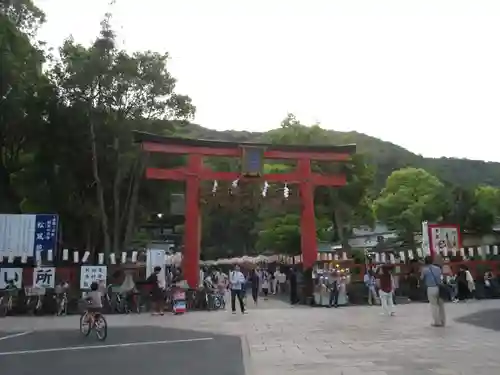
[(192, 226)]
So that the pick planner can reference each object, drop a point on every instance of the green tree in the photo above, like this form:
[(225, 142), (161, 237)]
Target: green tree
[(281, 234), (409, 197), (22, 94), (116, 92), (345, 206), (485, 209)]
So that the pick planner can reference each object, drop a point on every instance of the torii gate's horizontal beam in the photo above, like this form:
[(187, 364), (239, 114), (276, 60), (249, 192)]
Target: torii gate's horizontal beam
[(181, 173), (236, 152)]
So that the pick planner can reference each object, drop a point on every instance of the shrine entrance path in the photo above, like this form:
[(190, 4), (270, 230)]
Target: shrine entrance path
[(275, 339)]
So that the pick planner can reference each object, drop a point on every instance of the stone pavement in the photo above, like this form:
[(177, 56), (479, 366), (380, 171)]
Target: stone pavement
[(279, 339)]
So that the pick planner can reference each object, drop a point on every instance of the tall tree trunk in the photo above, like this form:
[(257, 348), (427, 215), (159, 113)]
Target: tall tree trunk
[(9, 201), (339, 223), (99, 187), (134, 198), (116, 199)]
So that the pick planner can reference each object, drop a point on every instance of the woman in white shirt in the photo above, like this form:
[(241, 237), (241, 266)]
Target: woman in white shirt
[(265, 284)]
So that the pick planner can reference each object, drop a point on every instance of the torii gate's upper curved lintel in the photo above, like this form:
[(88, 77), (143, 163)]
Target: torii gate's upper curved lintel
[(253, 155)]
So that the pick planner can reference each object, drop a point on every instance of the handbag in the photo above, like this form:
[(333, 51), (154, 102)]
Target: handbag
[(444, 292)]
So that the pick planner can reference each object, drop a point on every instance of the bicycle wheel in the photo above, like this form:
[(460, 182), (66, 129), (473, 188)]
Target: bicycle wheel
[(61, 309), (217, 303), (101, 327), (85, 326)]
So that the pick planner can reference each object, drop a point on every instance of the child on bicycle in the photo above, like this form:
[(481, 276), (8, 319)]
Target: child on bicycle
[(94, 298)]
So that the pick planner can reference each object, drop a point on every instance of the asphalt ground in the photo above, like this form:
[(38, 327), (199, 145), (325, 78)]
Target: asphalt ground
[(489, 319), (126, 351)]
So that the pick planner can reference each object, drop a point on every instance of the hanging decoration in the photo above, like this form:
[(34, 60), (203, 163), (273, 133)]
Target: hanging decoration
[(234, 185), (264, 190), (214, 187), (286, 191)]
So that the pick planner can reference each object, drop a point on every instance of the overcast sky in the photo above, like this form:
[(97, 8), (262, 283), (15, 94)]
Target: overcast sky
[(422, 74)]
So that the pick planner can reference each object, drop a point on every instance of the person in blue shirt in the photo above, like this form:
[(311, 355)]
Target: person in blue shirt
[(432, 277), (237, 284), (370, 282)]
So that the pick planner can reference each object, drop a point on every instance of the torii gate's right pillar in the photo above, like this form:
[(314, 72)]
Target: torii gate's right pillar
[(307, 217)]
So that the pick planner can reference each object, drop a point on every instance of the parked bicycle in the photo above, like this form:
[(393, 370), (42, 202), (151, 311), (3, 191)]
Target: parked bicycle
[(7, 302), (215, 301), (61, 295), (34, 300)]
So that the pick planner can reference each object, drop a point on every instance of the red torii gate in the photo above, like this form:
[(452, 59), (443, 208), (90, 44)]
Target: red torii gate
[(253, 154)]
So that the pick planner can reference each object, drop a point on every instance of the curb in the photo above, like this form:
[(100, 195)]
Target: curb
[(247, 356)]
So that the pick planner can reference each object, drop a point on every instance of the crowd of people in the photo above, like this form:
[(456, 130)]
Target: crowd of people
[(240, 283), (440, 284)]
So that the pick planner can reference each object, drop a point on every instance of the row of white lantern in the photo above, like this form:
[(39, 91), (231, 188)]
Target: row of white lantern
[(381, 257), (471, 251), (265, 188), (11, 256), (244, 259), (74, 256)]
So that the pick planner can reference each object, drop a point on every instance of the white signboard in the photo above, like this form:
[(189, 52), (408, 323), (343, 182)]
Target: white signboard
[(426, 243), (89, 274), (23, 235), (444, 239), (44, 277), (7, 274), (155, 258), (17, 234)]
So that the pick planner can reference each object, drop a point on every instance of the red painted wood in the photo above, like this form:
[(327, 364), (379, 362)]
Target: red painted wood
[(181, 149), (70, 274), (236, 152), (194, 172), (182, 173), (307, 218), (176, 174), (192, 228), (295, 155)]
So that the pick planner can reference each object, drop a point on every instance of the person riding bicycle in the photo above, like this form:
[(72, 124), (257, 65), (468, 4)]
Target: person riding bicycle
[(94, 298)]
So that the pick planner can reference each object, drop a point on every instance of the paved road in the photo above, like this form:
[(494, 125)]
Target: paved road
[(277, 339), (127, 351)]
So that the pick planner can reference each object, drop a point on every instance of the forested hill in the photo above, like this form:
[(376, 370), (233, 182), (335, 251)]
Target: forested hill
[(386, 156)]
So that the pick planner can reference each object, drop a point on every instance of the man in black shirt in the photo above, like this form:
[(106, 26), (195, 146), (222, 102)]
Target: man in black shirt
[(157, 293)]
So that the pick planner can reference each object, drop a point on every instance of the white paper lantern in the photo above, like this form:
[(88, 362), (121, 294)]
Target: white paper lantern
[(101, 258), (86, 256)]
